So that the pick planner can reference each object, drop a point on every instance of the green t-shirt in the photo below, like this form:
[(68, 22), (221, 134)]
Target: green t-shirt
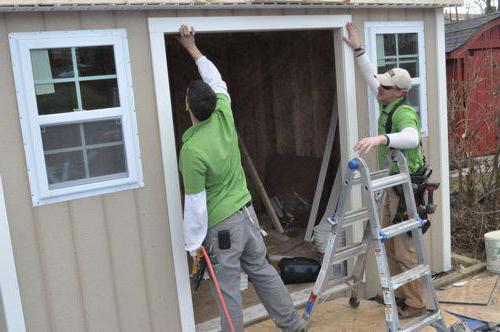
[(210, 160), (405, 116)]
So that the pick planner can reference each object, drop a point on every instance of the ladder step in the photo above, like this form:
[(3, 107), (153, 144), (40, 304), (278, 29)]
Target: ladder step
[(410, 275), (398, 229), (353, 217), (374, 175), (389, 181), (349, 251), (418, 323)]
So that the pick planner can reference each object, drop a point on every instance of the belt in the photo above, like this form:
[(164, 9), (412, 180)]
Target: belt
[(247, 205)]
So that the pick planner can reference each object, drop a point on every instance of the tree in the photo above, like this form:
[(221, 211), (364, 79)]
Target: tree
[(486, 6)]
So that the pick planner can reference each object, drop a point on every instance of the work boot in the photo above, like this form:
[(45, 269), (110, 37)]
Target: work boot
[(380, 300), (407, 312), (303, 327)]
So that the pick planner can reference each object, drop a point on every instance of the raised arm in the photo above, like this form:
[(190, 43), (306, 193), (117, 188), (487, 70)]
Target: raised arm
[(365, 66), (208, 72)]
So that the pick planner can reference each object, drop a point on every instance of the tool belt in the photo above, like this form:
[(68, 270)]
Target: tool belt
[(425, 203)]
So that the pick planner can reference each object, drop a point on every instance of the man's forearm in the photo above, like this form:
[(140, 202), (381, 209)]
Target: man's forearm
[(194, 52)]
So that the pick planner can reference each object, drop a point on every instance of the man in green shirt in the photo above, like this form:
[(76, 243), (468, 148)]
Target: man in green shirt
[(399, 128), (217, 203)]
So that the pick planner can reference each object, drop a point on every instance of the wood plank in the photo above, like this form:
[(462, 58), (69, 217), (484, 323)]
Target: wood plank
[(477, 290), (463, 260), (260, 188), (459, 275), (489, 313), (322, 175)]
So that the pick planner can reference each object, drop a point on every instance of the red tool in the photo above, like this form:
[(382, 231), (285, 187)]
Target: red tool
[(216, 284)]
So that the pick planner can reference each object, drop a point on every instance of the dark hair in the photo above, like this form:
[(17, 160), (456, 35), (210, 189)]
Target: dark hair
[(201, 100)]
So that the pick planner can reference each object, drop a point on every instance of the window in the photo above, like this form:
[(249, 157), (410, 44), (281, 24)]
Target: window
[(77, 113), (398, 44)]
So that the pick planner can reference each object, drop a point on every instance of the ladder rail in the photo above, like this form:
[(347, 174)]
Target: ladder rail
[(374, 237)]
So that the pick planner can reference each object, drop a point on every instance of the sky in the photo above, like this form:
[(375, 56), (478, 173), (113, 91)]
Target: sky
[(471, 6)]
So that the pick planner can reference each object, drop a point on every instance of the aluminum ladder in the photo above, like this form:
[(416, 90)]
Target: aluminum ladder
[(373, 238)]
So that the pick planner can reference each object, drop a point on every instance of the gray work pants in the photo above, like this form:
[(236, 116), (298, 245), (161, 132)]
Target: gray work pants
[(248, 251)]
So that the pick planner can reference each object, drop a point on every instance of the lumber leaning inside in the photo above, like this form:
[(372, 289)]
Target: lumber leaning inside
[(260, 187)]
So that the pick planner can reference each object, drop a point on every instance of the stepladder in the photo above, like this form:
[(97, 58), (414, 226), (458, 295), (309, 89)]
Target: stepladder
[(374, 239)]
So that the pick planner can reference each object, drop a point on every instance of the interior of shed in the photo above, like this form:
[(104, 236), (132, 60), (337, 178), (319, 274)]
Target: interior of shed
[(282, 86)]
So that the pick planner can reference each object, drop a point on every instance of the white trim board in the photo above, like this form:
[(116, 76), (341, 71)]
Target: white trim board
[(9, 287), (441, 236), (158, 27)]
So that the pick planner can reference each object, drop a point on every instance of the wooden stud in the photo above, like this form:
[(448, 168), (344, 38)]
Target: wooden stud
[(459, 275), (322, 175), (260, 188)]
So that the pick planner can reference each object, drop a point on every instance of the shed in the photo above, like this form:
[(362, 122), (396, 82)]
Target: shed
[(92, 95), (473, 75)]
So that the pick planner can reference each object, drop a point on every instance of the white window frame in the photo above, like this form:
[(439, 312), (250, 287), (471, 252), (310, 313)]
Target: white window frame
[(371, 31), (20, 46)]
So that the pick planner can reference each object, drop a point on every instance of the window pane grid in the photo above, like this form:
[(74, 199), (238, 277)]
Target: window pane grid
[(107, 136), (394, 57), (80, 148), (72, 79), (96, 179), (77, 82), (397, 59), (84, 148)]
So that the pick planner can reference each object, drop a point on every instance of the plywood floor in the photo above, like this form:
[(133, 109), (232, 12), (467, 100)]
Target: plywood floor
[(338, 316)]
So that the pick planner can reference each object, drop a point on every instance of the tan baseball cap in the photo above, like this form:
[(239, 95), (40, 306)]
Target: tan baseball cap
[(395, 77)]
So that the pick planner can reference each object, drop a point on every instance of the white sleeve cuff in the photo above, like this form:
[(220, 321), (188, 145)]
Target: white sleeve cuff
[(407, 138), (195, 220)]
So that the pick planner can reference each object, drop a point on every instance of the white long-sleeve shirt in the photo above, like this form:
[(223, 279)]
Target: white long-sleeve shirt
[(408, 138), (195, 205)]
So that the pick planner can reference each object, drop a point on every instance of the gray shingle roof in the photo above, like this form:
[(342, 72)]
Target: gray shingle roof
[(457, 33)]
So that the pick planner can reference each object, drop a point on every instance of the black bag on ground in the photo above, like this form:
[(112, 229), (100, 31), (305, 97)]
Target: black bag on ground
[(298, 270)]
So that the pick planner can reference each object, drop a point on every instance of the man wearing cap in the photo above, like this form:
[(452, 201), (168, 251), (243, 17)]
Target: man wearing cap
[(399, 128)]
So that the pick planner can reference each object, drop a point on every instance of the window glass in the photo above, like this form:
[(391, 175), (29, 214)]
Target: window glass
[(95, 61), (56, 98), (414, 97), (83, 151), (61, 137), (49, 64), (99, 94), (397, 50), (65, 166), (59, 89), (103, 131), (107, 160)]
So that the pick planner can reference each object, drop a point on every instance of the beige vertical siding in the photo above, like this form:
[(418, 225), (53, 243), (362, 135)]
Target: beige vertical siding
[(102, 263), (105, 263)]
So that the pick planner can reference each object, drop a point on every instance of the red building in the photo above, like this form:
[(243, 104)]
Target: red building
[(473, 74)]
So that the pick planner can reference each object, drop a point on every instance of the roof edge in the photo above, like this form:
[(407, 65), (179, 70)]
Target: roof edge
[(236, 4)]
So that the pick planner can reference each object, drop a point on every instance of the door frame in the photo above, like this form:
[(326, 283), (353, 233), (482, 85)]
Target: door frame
[(346, 99)]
